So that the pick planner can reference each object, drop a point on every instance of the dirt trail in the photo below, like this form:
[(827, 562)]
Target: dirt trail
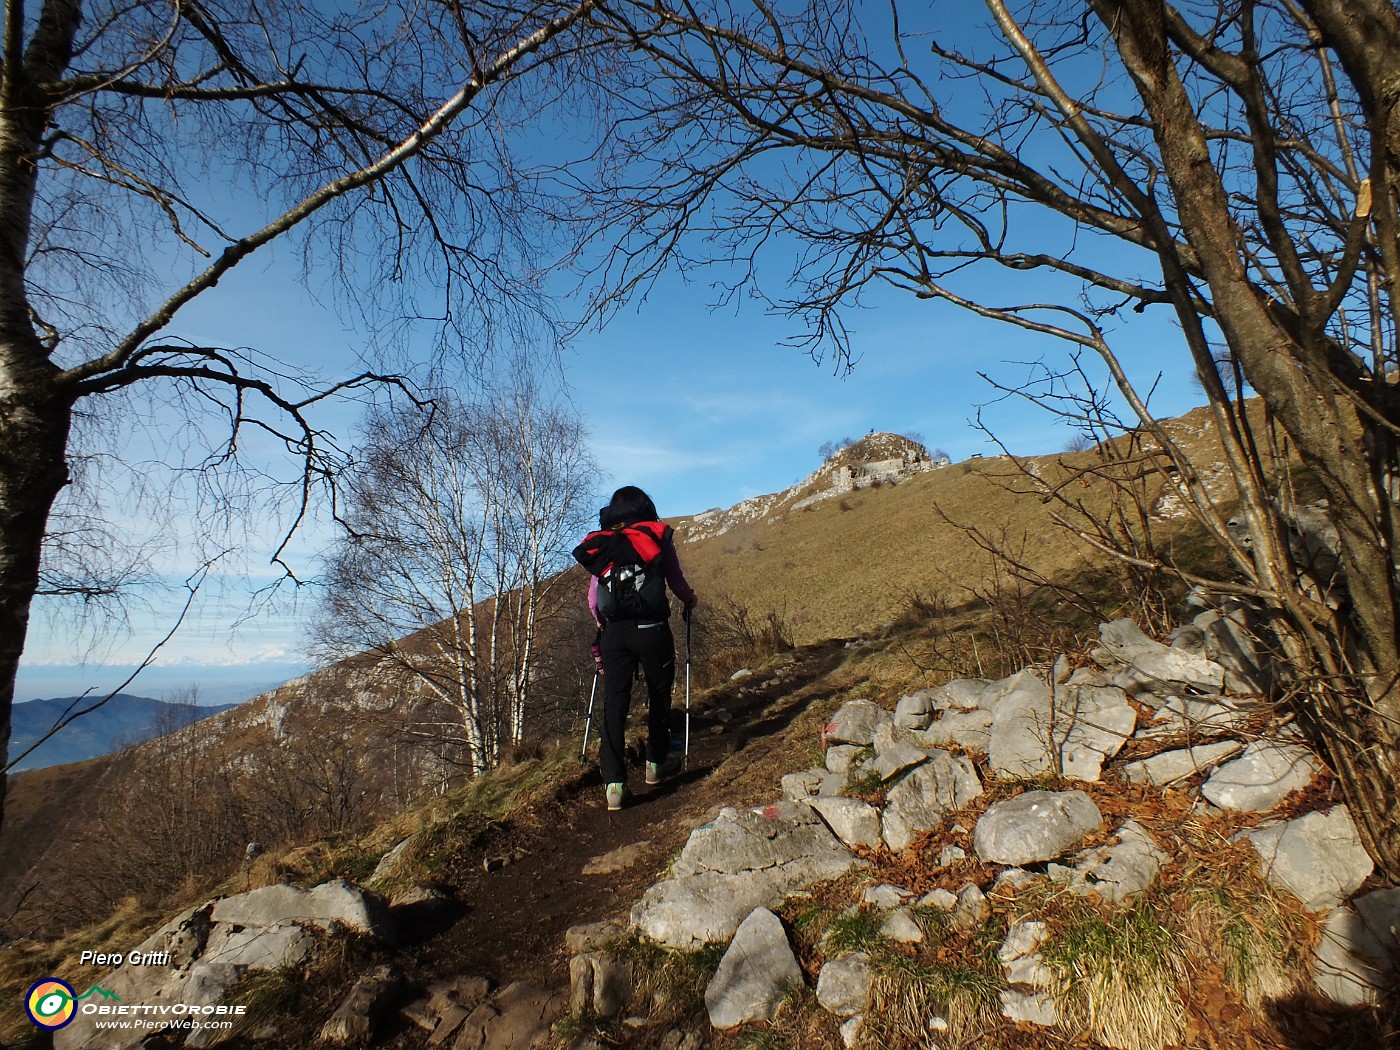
[(510, 922)]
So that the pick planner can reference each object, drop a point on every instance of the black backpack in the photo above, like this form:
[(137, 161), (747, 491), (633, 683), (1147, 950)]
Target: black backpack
[(631, 578)]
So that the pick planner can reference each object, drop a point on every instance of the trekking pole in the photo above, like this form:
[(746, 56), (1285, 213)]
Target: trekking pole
[(686, 760), (596, 650), (583, 755)]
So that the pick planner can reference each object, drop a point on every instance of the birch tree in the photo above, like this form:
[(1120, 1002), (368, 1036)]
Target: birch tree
[(1062, 168), (457, 524), (544, 476), (149, 149)]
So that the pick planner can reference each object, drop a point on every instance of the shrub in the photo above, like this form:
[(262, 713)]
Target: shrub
[(730, 636)]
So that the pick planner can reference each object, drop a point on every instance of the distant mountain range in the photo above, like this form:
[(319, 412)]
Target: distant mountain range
[(121, 721)]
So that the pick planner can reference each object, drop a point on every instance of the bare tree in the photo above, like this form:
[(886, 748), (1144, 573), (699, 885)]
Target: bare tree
[(1232, 166), (457, 524), (150, 148), (174, 815)]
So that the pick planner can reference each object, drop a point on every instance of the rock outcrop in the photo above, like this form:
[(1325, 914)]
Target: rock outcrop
[(204, 952), (1179, 708), (744, 860)]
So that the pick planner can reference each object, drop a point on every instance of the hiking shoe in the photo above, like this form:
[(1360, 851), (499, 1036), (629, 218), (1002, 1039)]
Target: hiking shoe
[(659, 771), (617, 795)]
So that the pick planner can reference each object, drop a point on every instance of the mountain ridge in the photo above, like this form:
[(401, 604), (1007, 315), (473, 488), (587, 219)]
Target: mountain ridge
[(122, 720)]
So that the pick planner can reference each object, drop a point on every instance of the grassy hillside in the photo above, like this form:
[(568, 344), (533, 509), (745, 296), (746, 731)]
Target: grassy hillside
[(962, 552), (955, 570), (943, 539), (542, 819)]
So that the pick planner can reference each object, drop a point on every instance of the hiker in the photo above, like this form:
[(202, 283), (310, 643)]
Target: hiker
[(632, 560)]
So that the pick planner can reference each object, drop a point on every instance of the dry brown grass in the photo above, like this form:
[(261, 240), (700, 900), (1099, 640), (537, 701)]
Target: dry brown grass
[(895, 554), (25, 961)]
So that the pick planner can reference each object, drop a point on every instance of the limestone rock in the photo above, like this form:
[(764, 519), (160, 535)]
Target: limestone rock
[(1020, 958), (580, 985), (1188, 637), (971, 907), (418, 1013), (885, 895), (756, 972), (600, 984), (963, 694), (1194, 717), (447, 1021), (356, 1018), (943, 900), (855, 722), (258, 947), (206, 959), (183, 937), (1070, 727), (844, 984), (1318, 857), (898, 757), (1123, 868), (1148, 664), (850, 1030), (993, 693), (515, 1019), (901, 927), (1171, 766), (451, 1002), (802, 784), (1227, 639), (893, 753), (419, 898), (840, 756), (740, 861), (1092, 723), (919, 803), (1355, 960), (1037, 1008), (913, 712), (329, 904), (950, 855), (1022, 734), (591, 936), (388, 863), (1035, 826), (617, 860), (970, 730), (854, 822), (1262, 777)]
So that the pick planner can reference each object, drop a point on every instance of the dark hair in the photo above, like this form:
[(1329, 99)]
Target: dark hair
[(628, 504)]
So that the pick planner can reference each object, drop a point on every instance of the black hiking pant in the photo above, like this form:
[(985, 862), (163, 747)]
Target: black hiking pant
[(628, 644)]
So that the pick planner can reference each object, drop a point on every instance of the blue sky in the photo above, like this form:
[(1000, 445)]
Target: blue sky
[(702, 407)]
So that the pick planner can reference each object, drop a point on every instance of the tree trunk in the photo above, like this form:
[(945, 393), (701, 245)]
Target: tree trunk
[(34, 421), (35, 410), (1346, 661)]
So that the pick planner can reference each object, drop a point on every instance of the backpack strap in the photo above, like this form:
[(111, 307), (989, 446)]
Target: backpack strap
[(646, 538), (600, 550)]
